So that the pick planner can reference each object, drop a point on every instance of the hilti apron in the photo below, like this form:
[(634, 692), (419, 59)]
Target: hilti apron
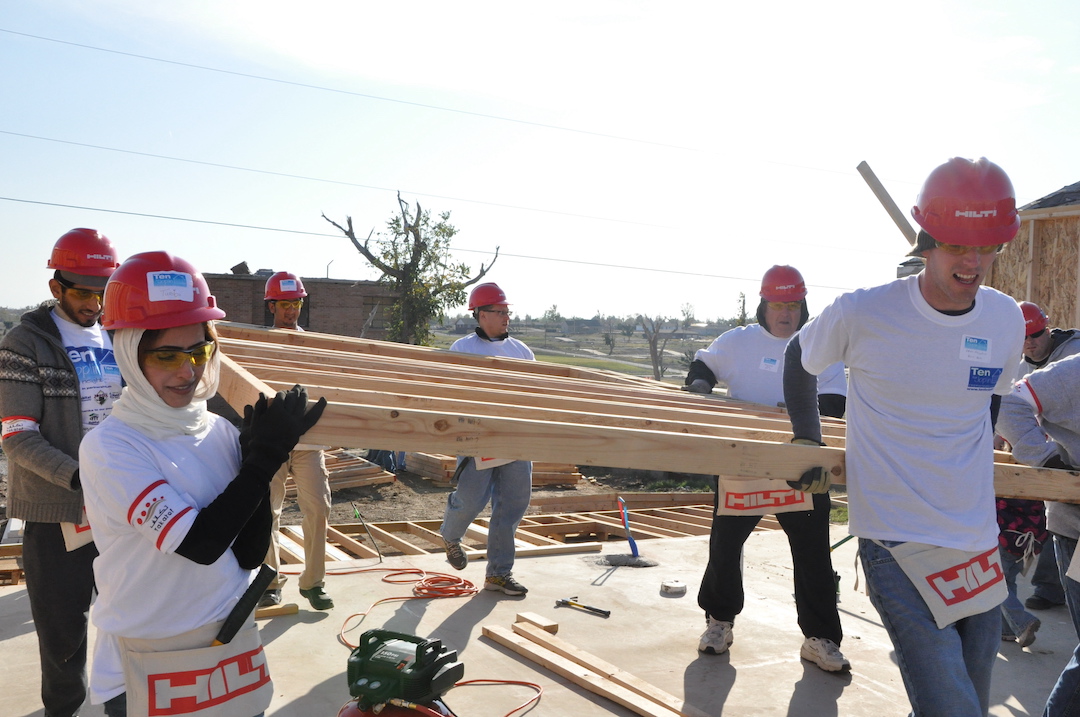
[(187, 675), (760, 496), (954, 584)]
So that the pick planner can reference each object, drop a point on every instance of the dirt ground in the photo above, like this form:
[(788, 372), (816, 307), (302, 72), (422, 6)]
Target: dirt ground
[(411, 497)]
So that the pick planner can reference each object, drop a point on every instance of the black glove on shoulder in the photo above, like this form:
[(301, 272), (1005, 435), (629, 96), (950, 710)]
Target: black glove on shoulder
[(1056, 461)]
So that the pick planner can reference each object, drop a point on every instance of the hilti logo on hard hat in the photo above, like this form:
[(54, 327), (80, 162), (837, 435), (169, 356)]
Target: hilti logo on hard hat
[(965, 581), (102, 257), (759, 499), (183, 692), (972, 214), (785, 286)]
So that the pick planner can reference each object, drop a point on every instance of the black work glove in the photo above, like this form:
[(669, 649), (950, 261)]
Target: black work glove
[(815, 480), (1055, 461), (276, 429), (698, 385), (246, 423)]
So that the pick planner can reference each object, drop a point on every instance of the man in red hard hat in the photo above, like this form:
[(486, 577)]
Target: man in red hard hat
[(925, 354), (58, 380), (284, 295), (507, 484), (750, 361)]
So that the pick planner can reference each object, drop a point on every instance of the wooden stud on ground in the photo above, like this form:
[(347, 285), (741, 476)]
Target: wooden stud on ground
[(545, 624)]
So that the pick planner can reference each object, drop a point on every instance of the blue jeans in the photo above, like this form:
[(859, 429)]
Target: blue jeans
[(946, 672), (1045, 580), (509, 488), (1016, 618), (1064, 700)]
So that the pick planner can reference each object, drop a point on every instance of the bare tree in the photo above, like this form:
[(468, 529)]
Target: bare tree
[(414, 258), (653, 327)]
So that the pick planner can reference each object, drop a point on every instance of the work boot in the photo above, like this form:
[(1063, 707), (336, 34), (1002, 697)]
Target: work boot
[(506, 583), (318, 599), (455, 555), (717, 637), (270, 598), (825, 654), (1038, 602)]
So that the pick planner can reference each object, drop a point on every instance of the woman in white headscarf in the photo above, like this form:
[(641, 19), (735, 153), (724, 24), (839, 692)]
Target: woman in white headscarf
[(177, 499)]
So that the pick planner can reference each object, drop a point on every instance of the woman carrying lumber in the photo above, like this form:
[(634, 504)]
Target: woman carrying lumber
[(179, 502), (507, 484), (750, 360)]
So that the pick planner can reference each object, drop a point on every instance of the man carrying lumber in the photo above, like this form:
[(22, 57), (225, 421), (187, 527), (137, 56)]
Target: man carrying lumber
[(284, 296), (58, 380), (750, 360), (507, 484), (1041, 421), (925, 353)]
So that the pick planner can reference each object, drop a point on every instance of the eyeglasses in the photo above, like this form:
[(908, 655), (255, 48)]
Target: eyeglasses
[(781, 305), (496, 311), (290, 303), (1037, 334), (171, 359), (80, 294), (960, 250)]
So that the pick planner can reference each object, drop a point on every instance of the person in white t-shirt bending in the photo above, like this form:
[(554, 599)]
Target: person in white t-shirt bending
[(507, 484), (750, 360), (925, 354)]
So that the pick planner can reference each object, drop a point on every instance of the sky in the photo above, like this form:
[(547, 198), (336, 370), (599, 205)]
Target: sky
[(624, 157)]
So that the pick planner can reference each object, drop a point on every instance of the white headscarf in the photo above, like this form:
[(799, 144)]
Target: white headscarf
[(139, 405)]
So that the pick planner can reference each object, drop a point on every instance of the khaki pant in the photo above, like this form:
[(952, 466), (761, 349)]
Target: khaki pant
[(308, 469)]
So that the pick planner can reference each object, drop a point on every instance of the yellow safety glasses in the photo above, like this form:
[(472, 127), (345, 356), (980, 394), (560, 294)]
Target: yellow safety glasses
[(172, 359), (960, 250)]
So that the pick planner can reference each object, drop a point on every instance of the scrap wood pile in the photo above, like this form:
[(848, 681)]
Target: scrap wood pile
[(347, 471), (439, 469), (412, 398)]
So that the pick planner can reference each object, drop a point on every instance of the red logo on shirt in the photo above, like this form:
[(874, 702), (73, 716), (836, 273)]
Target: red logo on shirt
[(965, 581), (761, 499)]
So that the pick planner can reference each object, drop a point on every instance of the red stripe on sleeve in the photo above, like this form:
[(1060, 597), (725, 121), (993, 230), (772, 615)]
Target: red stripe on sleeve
[(161, 538), (135, 503)]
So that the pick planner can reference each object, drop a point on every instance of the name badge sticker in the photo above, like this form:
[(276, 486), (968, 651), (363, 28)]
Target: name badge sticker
[(973, 348), (769, 364), (169, 286), (981, 378)]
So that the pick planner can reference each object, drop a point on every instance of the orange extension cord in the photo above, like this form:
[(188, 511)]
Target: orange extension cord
[(426, 586)]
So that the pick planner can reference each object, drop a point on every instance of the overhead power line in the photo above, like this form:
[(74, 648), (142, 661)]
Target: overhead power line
[(456, 249)]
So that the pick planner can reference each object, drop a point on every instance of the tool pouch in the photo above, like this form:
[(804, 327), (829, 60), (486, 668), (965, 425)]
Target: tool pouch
[(760, 496), (953, 583), (184, 675)]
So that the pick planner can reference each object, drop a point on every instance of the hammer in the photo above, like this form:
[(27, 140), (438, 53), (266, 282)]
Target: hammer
[(571, 602)]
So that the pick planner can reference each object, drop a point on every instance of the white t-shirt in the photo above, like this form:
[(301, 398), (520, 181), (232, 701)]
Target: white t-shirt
[(750, 361), (919, 444), (508, 347), (91, 352), (142, 497)]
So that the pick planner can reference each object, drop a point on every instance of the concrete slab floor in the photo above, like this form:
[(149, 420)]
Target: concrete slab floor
[(649, 635)]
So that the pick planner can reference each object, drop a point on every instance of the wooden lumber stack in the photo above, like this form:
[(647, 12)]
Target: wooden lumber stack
[(347, 471), (408, 398), (439, 469)]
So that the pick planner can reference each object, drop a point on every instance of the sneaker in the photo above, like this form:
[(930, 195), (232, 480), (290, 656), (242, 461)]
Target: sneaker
[(270, 598), (1037, 602), (456, 556), (318, 599), (717, 637), (1027, 635), (825, 654), (506, 583)]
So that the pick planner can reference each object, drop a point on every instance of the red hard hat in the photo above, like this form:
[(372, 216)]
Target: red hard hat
[(486, 295), (1034, 318), (284, 285), (156, 290), (84, 251), (783, 283), (970, 203)]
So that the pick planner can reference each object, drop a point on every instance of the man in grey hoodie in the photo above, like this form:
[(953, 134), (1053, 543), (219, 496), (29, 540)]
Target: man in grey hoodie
[(1041, 420), (58, 380)]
